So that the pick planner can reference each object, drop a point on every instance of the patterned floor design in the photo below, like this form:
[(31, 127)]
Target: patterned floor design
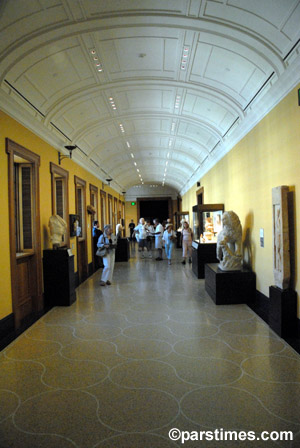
[(128, 362)]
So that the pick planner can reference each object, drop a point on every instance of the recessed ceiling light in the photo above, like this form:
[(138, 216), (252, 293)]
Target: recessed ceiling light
[(138, 170), (132, 155), (134, 163)]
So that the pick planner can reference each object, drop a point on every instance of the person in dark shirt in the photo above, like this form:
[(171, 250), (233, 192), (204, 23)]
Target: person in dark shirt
[(96, 235), (132, 236)]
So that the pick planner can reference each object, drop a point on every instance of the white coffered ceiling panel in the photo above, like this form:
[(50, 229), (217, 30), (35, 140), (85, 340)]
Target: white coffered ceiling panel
[(269, 19), (140, 56), (166, 87)]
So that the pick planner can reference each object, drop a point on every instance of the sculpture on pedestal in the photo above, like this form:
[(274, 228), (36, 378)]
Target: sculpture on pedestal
[(281, 242), (58, 228), (229, 243)]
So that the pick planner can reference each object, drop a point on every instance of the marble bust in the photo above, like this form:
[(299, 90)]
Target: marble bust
[(229, 243), (58, 228)]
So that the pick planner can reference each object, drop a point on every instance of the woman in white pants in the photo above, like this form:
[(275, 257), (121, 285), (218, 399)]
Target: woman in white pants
[(187, 239), (109, 242)]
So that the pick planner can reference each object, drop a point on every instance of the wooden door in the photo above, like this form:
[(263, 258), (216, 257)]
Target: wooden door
[(25, 238)]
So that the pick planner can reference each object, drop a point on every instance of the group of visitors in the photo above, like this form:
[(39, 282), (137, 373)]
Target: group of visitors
[(163, 235), (145, 234)]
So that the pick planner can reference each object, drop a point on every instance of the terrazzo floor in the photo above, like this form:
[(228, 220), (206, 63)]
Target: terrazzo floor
[(126, 363)]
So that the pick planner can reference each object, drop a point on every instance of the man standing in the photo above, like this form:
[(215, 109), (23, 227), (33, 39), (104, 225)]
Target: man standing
[(142, 229), (96, 235), (159, 230), (132, 236)]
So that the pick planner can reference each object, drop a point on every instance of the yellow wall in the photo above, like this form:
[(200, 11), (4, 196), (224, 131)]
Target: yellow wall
[(13, 130), (267, 157)]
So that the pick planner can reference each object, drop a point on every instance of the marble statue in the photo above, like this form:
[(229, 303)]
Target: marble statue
[(58, 228), (229, 243), (281, 242)]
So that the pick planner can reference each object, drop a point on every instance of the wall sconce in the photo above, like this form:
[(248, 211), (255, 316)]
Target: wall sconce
[(108, 181), (70, 148)]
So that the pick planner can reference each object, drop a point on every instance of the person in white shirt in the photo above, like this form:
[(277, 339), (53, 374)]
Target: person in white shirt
[(159, 230), (141, 231), (187, 239), (169, 237), (109, 242)]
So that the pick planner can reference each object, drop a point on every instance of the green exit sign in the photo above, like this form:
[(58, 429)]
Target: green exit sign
[(132, 203)]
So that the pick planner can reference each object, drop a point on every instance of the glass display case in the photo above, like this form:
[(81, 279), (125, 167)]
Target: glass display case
[(207, 223), (180, 217)]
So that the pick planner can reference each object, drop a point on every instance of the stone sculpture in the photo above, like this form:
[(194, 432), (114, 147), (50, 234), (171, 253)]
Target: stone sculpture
[(58, 228), (281, 242), (229, 243)]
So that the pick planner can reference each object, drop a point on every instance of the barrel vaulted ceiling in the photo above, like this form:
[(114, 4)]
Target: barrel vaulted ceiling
[(166, 87)]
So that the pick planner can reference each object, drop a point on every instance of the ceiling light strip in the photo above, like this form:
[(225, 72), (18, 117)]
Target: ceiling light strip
[(95, 60)]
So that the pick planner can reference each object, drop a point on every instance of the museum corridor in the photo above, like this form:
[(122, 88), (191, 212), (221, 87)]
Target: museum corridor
[(126, 363)]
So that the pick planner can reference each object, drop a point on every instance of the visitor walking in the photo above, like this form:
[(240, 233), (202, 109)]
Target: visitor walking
[(187, 239), (107, 241), (141, 231), (169, 237), (159, 230)]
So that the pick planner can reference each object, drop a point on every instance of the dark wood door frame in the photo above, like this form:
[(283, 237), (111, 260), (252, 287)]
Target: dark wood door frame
[(35, 257), (82, 270), (200, 196), (56, 169), (93, 189)]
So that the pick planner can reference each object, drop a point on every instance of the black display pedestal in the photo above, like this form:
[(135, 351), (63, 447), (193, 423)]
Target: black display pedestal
[(229, 287), (59, 277), (283, 311), (202, 253), (122, 250)]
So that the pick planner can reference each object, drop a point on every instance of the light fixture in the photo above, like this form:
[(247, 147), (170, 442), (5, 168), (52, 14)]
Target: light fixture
[(184, 57), (134, 163), (132, 155), (95, 60), (70, 148), (108, 181)]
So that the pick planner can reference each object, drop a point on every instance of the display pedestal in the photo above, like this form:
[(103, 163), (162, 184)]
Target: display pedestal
[(283, 311), (59, 278), (122, 250), (229, 287), (202, 253)]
